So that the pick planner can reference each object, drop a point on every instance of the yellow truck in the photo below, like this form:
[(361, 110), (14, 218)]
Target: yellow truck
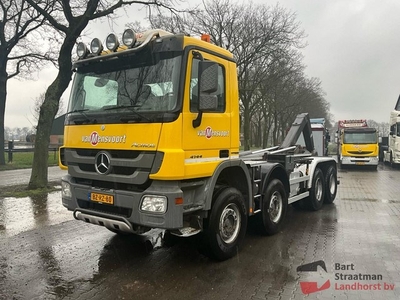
[(357, 143), (151, 140)]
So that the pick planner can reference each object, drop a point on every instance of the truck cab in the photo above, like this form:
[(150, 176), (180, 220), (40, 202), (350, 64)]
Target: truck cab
[(357, 143)]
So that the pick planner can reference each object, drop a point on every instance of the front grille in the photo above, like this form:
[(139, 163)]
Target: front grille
[(125, 166), (113, 185), (126, 154), (104, 208), (360, 153)]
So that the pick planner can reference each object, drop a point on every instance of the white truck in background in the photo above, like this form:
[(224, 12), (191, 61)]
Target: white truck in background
[(391, 154)]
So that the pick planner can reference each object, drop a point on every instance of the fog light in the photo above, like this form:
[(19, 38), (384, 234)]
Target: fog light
[(66, 189), (154, 204)]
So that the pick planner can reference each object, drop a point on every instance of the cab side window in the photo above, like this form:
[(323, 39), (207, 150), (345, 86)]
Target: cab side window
[(194, 88), (396, 129)]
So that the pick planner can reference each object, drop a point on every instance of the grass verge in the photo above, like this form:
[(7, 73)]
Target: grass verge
[(23, 160)]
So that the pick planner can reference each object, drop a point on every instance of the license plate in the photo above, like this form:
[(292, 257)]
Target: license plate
[(360, 163), (102, 198)]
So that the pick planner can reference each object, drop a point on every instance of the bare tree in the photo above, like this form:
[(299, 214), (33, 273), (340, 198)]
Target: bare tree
[(37, 104), (19, 54), (255, 34), (70, 18)]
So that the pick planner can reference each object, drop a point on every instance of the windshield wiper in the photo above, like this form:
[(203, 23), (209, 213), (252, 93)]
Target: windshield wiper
[(79, 111), (82, 112), (131, 109)]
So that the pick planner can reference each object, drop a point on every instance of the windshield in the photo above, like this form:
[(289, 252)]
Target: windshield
[(125, 89), (398, 128), (360, 138)]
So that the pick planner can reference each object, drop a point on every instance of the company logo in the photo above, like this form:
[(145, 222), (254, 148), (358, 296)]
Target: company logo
[(359, 148), (94, 138), (312, 287), (345, 278), (102, 163), (209, 133)]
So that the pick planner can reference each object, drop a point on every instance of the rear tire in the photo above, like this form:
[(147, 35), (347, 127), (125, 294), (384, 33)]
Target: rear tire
[(227, 224), (330, 185), (317, 191), (274, 207)]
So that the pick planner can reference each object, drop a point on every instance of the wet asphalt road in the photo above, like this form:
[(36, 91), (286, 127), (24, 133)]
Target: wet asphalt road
[(46, 254)]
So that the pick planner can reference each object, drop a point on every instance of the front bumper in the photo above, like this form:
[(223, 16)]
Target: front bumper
[(125, 214), (352, 160)]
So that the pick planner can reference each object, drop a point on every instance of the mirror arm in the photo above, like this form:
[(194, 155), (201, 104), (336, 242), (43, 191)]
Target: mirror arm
[(196, 122)]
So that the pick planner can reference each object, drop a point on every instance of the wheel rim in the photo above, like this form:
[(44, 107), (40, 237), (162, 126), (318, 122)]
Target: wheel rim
[(275, 207), (318, 189), (332, 184), (229, 223)]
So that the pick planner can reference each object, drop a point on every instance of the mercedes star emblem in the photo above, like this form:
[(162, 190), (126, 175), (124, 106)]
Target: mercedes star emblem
[(102, 163)]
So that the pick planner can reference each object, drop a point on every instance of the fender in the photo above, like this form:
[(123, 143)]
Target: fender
[(274, 170), (239, 177)]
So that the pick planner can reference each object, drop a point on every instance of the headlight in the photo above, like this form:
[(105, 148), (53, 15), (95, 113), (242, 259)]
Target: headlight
[(153, 203), (81, 50), (129, 38), (66, 189), (96, 47), (112, 42)]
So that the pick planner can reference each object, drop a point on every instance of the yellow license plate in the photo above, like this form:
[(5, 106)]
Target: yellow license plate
[(360, 163), (102, 198)]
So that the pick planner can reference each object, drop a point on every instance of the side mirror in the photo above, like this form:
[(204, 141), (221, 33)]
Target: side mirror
[(208, 84)]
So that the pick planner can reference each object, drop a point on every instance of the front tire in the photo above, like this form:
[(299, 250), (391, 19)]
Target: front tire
[(317, 191), (274, 207), (227, 224)]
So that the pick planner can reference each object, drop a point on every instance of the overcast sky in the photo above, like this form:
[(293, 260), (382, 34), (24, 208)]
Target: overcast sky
[(353, 48)]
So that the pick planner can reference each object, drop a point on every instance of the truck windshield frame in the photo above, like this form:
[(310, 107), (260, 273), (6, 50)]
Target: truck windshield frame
[(135, 88)]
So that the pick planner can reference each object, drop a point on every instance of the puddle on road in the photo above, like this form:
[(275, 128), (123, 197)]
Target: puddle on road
[(22, 214)]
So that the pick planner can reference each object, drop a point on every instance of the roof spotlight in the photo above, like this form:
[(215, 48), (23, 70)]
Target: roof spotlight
[(129, 38), (96, 47), (112, 42), (81, 50)]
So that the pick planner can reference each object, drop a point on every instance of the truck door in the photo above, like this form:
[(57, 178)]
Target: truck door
[(210, 142)]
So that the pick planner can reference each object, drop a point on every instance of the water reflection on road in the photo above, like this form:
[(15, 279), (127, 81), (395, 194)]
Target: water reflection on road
[(44, 256), (21, 214)]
